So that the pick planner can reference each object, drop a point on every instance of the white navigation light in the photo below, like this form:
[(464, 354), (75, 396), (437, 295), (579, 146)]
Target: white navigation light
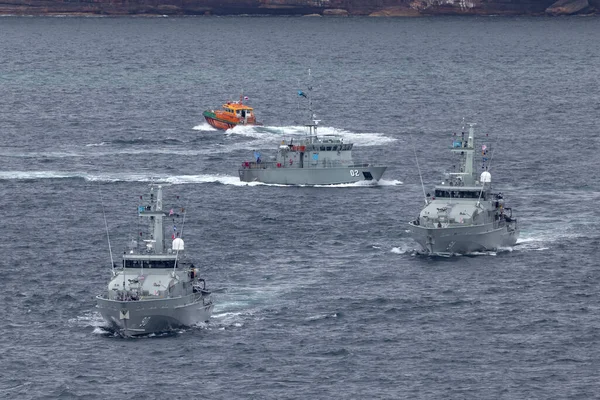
[(178, 244), (485, 177)]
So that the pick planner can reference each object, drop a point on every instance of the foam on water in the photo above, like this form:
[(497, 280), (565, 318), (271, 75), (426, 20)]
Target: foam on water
[(90, 318), (125, 177), (365, 138), (223, 179), (393, 182), (550, 235), (273, 134), (41, 154), (266, 134), (30, 175), (95, 144), (205, 126), (319, 317), (159, 150), (100, 330), (401, 249), (228, 320)]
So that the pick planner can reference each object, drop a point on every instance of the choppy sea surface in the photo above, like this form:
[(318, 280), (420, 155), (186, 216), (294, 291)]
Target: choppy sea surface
[(318, 291)]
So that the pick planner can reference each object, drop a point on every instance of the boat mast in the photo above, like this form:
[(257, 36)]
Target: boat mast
[(155, 215), (466, 150), (470, 150), (158, 223), (313, 121)]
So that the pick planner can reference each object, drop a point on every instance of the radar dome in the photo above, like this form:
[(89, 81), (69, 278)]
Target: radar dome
[(485, 177), (178, 244)]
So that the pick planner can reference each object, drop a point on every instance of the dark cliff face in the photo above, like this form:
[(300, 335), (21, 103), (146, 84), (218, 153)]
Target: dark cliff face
[(300, 7)]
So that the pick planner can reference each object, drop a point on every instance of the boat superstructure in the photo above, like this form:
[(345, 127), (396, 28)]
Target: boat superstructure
[(156, 289), (311, 160), (464, 215)]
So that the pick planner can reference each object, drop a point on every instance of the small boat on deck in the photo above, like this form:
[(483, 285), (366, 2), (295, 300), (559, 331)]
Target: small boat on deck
[(233, 113)]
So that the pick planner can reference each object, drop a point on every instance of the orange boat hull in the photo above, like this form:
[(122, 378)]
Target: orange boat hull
[(215, 123), (223, 120)]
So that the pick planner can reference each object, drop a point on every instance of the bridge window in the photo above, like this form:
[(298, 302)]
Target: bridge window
[(149, 264)]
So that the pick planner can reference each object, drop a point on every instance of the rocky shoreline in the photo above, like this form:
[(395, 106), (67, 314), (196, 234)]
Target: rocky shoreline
[(331, 8)]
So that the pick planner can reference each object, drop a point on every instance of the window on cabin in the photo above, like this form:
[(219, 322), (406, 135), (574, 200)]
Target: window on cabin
[(149, 264)]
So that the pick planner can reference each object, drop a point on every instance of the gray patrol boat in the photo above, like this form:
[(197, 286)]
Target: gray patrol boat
[(312, 160), (156, 289), (464, 215)]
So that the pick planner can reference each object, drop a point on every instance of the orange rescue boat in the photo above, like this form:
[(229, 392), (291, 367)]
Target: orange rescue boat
[(232, 113)]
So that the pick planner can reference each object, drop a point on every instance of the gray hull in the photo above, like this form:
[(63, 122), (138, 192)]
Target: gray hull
[(463, 240), (131, 318), (312, 176)]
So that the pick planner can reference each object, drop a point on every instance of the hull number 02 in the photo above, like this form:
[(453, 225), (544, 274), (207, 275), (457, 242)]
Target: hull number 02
[(354, 172)]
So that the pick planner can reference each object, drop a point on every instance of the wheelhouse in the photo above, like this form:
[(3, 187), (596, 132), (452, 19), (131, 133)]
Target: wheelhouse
[(238, 109)]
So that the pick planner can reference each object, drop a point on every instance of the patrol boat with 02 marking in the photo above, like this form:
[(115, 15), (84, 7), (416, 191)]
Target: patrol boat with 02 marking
[(464, 215), (156, 289), (312, 160)]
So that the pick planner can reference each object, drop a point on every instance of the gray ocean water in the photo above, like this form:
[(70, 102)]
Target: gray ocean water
[(318, 291)]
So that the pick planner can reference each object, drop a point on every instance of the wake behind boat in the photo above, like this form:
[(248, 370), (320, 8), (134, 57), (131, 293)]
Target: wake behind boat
[(312, 160), (156, 289), (464, 215)]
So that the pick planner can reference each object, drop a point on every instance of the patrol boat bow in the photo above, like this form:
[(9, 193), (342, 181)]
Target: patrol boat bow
[(464, 215), (156, 289)]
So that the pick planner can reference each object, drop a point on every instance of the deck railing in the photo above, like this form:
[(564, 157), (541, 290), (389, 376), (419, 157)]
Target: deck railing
[(309, 164)]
